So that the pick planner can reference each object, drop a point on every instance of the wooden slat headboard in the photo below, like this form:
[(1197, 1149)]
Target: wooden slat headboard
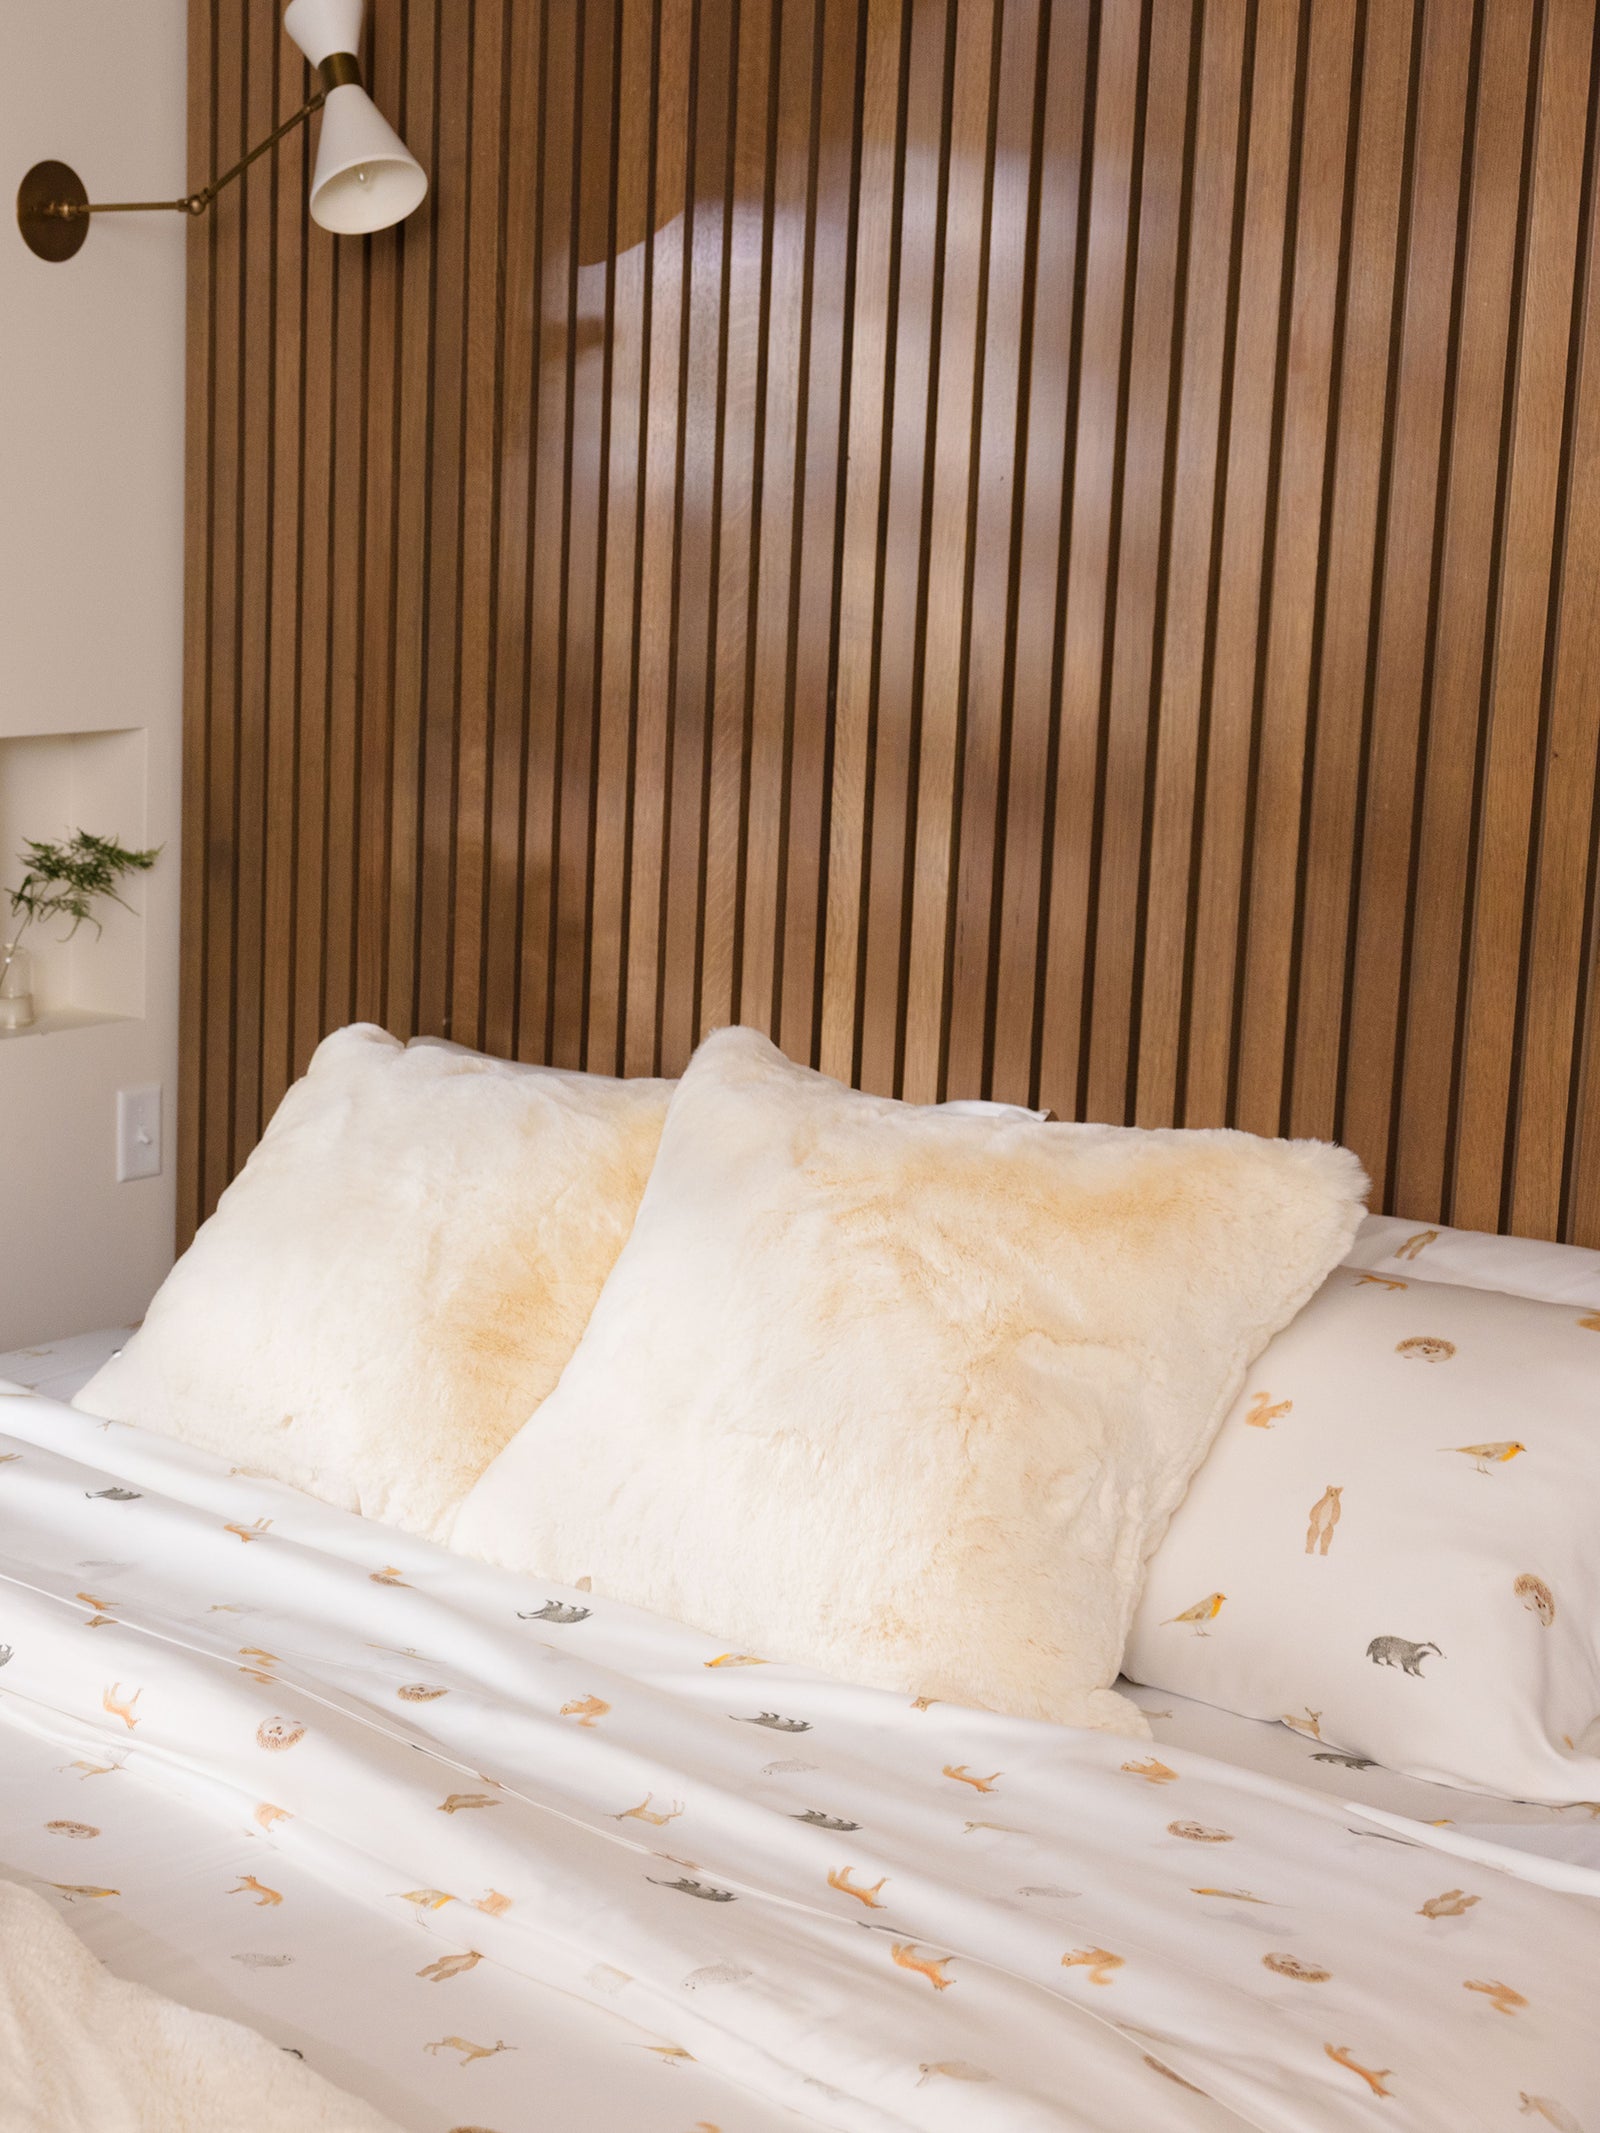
[(1026, 547)]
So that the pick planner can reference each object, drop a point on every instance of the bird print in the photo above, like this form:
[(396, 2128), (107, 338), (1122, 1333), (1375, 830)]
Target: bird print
[(249, 1886), (1483, 1456), (1099, 1963), (251, 1532), (1152, 1770), (468, 2050), (1425, 1348), (427, 1899), (1264, 1411), (1236, 1896), (734, 1659), (1454, 1903), (388, 1575), (1504, 1999), (587, 1710), (458, 1801), (1537, 1597), (119, 1705), (449, 1966), (840, 1879), (1202, 1612), (910, 1957), (1341, 2055), (1325, 1515), (644, 1812), (1416, 1244), (963, 1776), (82, 1892)]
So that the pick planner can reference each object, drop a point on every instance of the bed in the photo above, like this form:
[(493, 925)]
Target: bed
[(493, 1853)]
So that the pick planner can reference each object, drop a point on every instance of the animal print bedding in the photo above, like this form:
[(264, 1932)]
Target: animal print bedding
[(868, 1910)]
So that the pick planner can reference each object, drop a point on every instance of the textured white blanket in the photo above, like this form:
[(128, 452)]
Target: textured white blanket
[(84, 2052), (894, 1915)]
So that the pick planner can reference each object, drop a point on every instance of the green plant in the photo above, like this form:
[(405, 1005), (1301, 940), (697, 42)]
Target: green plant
[(65, 881)]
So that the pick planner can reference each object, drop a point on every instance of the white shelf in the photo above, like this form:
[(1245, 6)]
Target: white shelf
[(56, 1019)]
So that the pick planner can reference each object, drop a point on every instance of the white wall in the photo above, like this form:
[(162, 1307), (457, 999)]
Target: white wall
[(91, 589)]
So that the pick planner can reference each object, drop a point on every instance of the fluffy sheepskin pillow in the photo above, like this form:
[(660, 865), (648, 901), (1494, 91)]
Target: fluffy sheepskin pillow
[(1391, 1546), (909, 1396), (398, 1274)]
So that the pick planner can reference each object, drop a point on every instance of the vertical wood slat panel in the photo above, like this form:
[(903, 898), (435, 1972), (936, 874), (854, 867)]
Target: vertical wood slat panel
[(1027, 547)]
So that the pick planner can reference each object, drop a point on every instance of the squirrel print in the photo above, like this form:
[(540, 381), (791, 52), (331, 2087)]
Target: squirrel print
[(1325, 1516), (1098, 1962), (909, 1957), (1341, 2056), (249, 1886), (963, 1776), (840, 1879), (1263, 1413), (587, 1710)]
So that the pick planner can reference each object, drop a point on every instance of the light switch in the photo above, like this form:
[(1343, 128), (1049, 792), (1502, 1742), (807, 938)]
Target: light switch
[(138, 1134)]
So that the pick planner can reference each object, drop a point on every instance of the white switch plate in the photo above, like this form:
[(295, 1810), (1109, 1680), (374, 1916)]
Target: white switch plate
[(138, 1134)]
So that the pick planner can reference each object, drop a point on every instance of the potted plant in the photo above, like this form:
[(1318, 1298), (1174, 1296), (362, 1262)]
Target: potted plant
[(59, 881)]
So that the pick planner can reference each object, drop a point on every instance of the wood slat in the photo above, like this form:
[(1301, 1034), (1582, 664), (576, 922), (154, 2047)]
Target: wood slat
[(1026, 547)]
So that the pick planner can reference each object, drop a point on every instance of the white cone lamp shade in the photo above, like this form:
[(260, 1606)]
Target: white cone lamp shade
[(366, 178)]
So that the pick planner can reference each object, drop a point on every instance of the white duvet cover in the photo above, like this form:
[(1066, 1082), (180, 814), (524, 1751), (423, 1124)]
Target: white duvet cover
[(874, 1914)]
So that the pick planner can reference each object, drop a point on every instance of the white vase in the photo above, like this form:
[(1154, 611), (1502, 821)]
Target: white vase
[(16, 988)]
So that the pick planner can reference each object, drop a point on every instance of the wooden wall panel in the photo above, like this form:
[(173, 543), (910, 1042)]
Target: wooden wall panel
[(1042, 548)]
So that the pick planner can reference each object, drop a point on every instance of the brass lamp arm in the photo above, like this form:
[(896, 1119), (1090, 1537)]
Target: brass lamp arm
[(53, 209), (193, 203)]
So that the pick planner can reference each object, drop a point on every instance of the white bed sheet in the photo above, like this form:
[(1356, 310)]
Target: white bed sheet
[(912, 1918)]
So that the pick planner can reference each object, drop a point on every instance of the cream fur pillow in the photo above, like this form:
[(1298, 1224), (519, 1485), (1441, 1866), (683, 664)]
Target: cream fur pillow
[(908, 1396), (398, 1274)]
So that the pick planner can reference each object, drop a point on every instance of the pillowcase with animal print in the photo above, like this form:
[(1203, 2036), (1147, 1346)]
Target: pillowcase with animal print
[(1391, 1546)]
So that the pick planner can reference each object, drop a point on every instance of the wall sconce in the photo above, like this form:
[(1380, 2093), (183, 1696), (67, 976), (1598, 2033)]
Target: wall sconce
[(365, 177)]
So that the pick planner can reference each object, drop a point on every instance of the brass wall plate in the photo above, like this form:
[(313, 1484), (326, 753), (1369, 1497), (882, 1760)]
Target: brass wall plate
[(52, 237)]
